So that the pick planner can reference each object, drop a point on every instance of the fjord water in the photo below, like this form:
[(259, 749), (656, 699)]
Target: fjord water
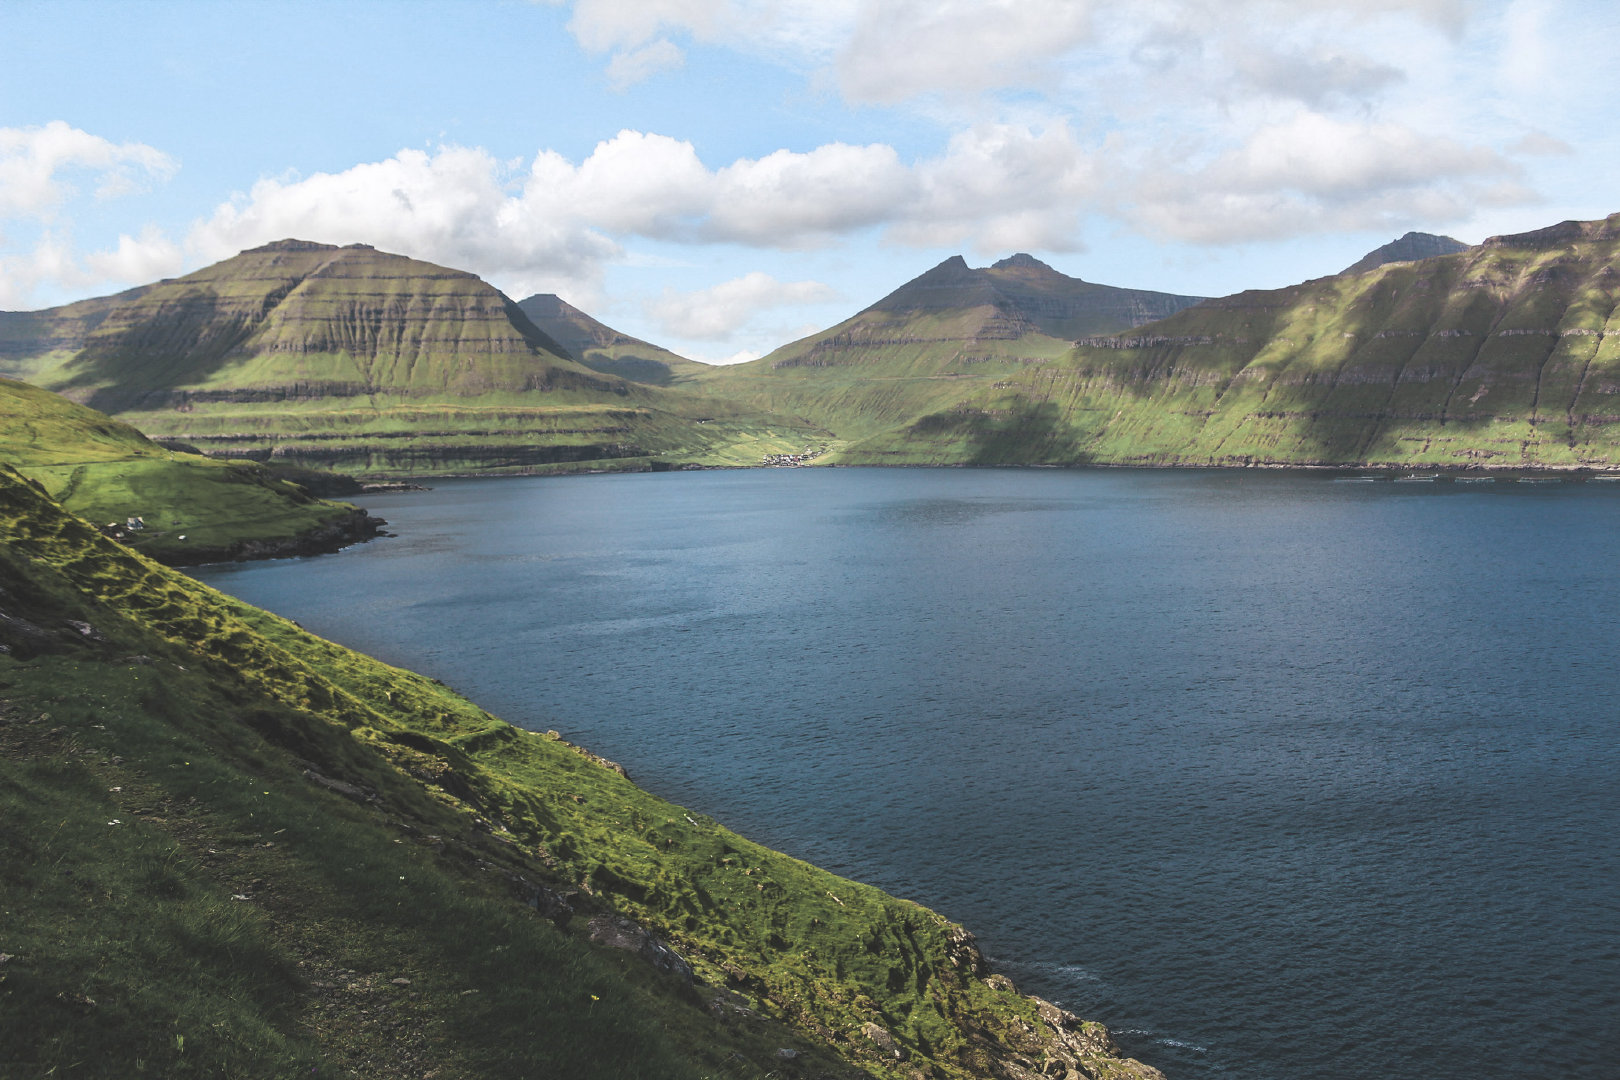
[(1279, 777)]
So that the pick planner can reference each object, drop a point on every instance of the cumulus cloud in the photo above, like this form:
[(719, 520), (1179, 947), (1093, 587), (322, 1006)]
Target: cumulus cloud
[(44, 172), (38, 166), (717, 312), (1004, 187), (1313, 173), (455, 206), (52, 262)]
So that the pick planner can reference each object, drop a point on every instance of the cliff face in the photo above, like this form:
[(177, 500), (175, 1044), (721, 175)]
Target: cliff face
[(233, 847), (355, 359), (1503, 355), (315, 320)]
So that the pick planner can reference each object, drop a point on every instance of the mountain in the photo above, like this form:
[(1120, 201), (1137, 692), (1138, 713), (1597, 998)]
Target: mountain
[(1412, 246), (191, 509), (921, 345), (602, 348), (1501, 355), (1021, 294), (235, 849), (368, 362)]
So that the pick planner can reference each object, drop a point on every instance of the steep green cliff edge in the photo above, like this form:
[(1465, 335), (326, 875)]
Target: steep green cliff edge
[(1504, 355), (194, 509), (234, 848)]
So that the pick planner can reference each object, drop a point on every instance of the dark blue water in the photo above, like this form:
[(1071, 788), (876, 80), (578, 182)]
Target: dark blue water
[(1279, 777)]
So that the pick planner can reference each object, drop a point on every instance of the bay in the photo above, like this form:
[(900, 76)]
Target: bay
[(1277, 776)]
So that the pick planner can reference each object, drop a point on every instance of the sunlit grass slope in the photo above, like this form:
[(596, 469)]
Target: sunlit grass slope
[(365, 362), (1503, 355), (108, 472), (942, 336), (236, 849)]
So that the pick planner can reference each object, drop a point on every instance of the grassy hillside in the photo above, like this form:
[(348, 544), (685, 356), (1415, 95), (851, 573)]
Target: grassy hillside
[(1503, 355), (939, 337), (108, 472), (364, 362), (236, 849)]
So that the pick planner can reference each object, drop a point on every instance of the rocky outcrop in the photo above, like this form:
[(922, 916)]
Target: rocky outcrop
[(618, 932), (353, 528)]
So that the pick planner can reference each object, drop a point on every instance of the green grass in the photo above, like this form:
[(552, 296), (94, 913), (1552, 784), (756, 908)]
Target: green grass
[(1500, 356), (363, 362), (108, 472), (242, 905)]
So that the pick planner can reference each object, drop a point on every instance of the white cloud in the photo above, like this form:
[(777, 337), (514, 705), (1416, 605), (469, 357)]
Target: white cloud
[(602, 25), (638, 65), (37, 162), (1315, 173), (1004, 187), (455, 207), (717, 312), (53, 263), (900, 49), (136, 260), (791, 199)]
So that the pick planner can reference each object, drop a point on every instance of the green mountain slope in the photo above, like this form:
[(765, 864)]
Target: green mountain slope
[(235, 849), (1503, 355), (602, 348), (933, 340), (194, 509), (357, 360)]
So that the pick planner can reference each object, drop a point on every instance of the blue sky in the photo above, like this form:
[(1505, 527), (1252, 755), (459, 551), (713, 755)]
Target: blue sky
[(722, 176)]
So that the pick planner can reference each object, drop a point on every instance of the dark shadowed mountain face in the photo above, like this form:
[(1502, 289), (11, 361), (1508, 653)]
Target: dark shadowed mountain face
[(1412, 246), (1025, 288), (27, 334), (602, 348)]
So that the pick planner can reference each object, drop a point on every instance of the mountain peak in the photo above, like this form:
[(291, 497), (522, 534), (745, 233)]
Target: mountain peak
[(276, 246), (1021, 261), (1412, 246)]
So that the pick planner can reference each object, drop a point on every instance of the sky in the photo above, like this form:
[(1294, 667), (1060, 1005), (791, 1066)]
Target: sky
[(721, 177)]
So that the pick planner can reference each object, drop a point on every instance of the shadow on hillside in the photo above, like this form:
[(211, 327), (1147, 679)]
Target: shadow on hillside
[(1030, 433), (191, 340)]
